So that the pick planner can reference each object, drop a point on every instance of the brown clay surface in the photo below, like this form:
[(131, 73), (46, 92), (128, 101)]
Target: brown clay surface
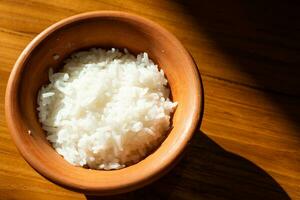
[(101, 29)]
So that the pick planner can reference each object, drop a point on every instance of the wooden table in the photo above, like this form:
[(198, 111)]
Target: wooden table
[(249, 56)]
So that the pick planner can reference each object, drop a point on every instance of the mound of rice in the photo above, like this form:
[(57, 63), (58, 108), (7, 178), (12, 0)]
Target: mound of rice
[(105, 109)]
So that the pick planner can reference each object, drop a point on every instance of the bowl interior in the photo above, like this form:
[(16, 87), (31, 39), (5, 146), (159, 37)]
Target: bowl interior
[(84, 32)]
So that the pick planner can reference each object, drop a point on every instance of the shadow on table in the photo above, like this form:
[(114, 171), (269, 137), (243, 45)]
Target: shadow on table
[(261, 39), (207, 171)]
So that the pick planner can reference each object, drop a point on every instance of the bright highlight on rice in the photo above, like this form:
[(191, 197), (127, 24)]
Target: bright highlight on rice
[(105, 109)]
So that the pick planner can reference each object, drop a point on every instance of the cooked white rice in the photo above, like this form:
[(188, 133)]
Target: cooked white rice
[(105, 109)]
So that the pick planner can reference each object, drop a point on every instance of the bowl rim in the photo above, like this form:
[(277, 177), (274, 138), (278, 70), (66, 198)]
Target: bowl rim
[(19, 65)]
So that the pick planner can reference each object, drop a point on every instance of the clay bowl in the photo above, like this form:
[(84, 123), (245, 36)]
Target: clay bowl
[(101, 29)]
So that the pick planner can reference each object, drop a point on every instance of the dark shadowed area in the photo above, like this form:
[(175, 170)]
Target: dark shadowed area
[(262, 40)]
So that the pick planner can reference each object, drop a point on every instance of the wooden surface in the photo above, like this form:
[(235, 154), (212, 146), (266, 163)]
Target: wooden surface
[(249, 57)]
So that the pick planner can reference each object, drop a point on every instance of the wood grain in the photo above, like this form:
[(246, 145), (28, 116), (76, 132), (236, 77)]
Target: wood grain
[(248, 54)]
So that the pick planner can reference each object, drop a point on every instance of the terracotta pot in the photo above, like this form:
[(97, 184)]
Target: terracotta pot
[(101, 29)]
